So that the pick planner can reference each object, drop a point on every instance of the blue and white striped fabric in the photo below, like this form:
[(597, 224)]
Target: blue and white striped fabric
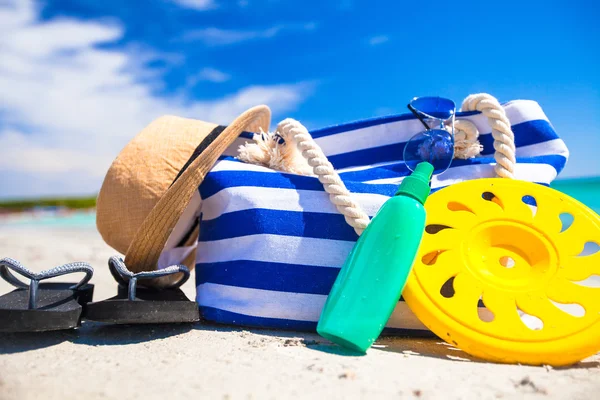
[(271, 244)]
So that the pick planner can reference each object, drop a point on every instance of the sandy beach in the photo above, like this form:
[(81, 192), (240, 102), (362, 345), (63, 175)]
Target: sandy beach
[(211, 361)]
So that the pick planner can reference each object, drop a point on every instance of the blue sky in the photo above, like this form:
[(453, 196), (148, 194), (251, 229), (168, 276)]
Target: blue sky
[(79, 78)]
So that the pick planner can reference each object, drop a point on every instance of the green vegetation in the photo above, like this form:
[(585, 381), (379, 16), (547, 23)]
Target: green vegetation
[(70, 203)]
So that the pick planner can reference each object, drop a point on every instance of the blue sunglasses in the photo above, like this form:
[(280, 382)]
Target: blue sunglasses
[(435, 144)]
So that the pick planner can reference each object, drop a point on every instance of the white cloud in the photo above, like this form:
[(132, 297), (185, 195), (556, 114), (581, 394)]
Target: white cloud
[(200, 5), (210, 75), (221, 37), (67, 107), (377, 40), (218, 37), (60, 35)]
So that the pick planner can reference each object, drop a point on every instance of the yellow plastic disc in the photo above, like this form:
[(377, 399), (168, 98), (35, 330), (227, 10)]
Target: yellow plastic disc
[(502, 273)]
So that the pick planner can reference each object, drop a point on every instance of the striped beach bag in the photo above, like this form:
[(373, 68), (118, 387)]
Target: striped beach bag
[(271, 243)]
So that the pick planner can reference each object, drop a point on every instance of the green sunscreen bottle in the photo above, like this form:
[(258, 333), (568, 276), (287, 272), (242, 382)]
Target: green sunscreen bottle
[(371, 281)]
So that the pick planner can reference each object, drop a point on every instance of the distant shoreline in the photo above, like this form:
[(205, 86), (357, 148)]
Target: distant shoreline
[(49, 203), (572, 186)]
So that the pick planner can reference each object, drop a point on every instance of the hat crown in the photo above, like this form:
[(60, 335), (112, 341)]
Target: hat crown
[(142, 173)]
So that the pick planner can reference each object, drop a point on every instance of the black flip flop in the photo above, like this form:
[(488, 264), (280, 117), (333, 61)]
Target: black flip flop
[(36, 306), (141, 305)]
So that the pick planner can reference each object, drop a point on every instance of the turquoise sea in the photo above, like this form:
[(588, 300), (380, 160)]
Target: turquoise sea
[(75, 219), (585, 190)]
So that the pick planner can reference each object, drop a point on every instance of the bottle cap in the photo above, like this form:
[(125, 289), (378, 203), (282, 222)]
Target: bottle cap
[(416, 185)]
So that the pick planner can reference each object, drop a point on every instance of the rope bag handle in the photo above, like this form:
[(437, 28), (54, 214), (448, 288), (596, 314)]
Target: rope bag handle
[(504, 138), (504, 146)]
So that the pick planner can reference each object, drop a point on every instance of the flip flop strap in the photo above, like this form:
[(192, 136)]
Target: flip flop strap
[(125, 277), (7, 264)]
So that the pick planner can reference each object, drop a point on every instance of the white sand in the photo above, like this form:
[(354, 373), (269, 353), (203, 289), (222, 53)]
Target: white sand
[(209, 361)]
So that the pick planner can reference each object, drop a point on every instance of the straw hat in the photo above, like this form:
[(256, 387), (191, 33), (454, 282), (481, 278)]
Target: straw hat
[(150, 184)]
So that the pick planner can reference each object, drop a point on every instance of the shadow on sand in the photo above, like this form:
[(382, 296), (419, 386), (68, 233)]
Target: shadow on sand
[(90, 334), (407, 346), (437, 348), (97, 334), (426, 347), (25, 341), (411, 344), (288, 338)]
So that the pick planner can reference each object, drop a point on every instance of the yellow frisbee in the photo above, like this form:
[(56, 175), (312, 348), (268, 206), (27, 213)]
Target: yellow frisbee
[(502, 273)]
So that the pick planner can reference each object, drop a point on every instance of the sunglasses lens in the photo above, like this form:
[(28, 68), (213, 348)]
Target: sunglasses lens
[(435, 146), (437, 107)]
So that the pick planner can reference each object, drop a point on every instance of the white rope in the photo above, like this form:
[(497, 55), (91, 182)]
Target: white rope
[(293, 131), (466, 139), (504, 138), (266, 150)]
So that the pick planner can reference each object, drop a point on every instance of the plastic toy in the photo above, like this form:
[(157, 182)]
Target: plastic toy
[(501, 276)]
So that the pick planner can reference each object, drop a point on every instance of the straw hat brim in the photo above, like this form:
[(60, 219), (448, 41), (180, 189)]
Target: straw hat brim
[(149, 241)]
